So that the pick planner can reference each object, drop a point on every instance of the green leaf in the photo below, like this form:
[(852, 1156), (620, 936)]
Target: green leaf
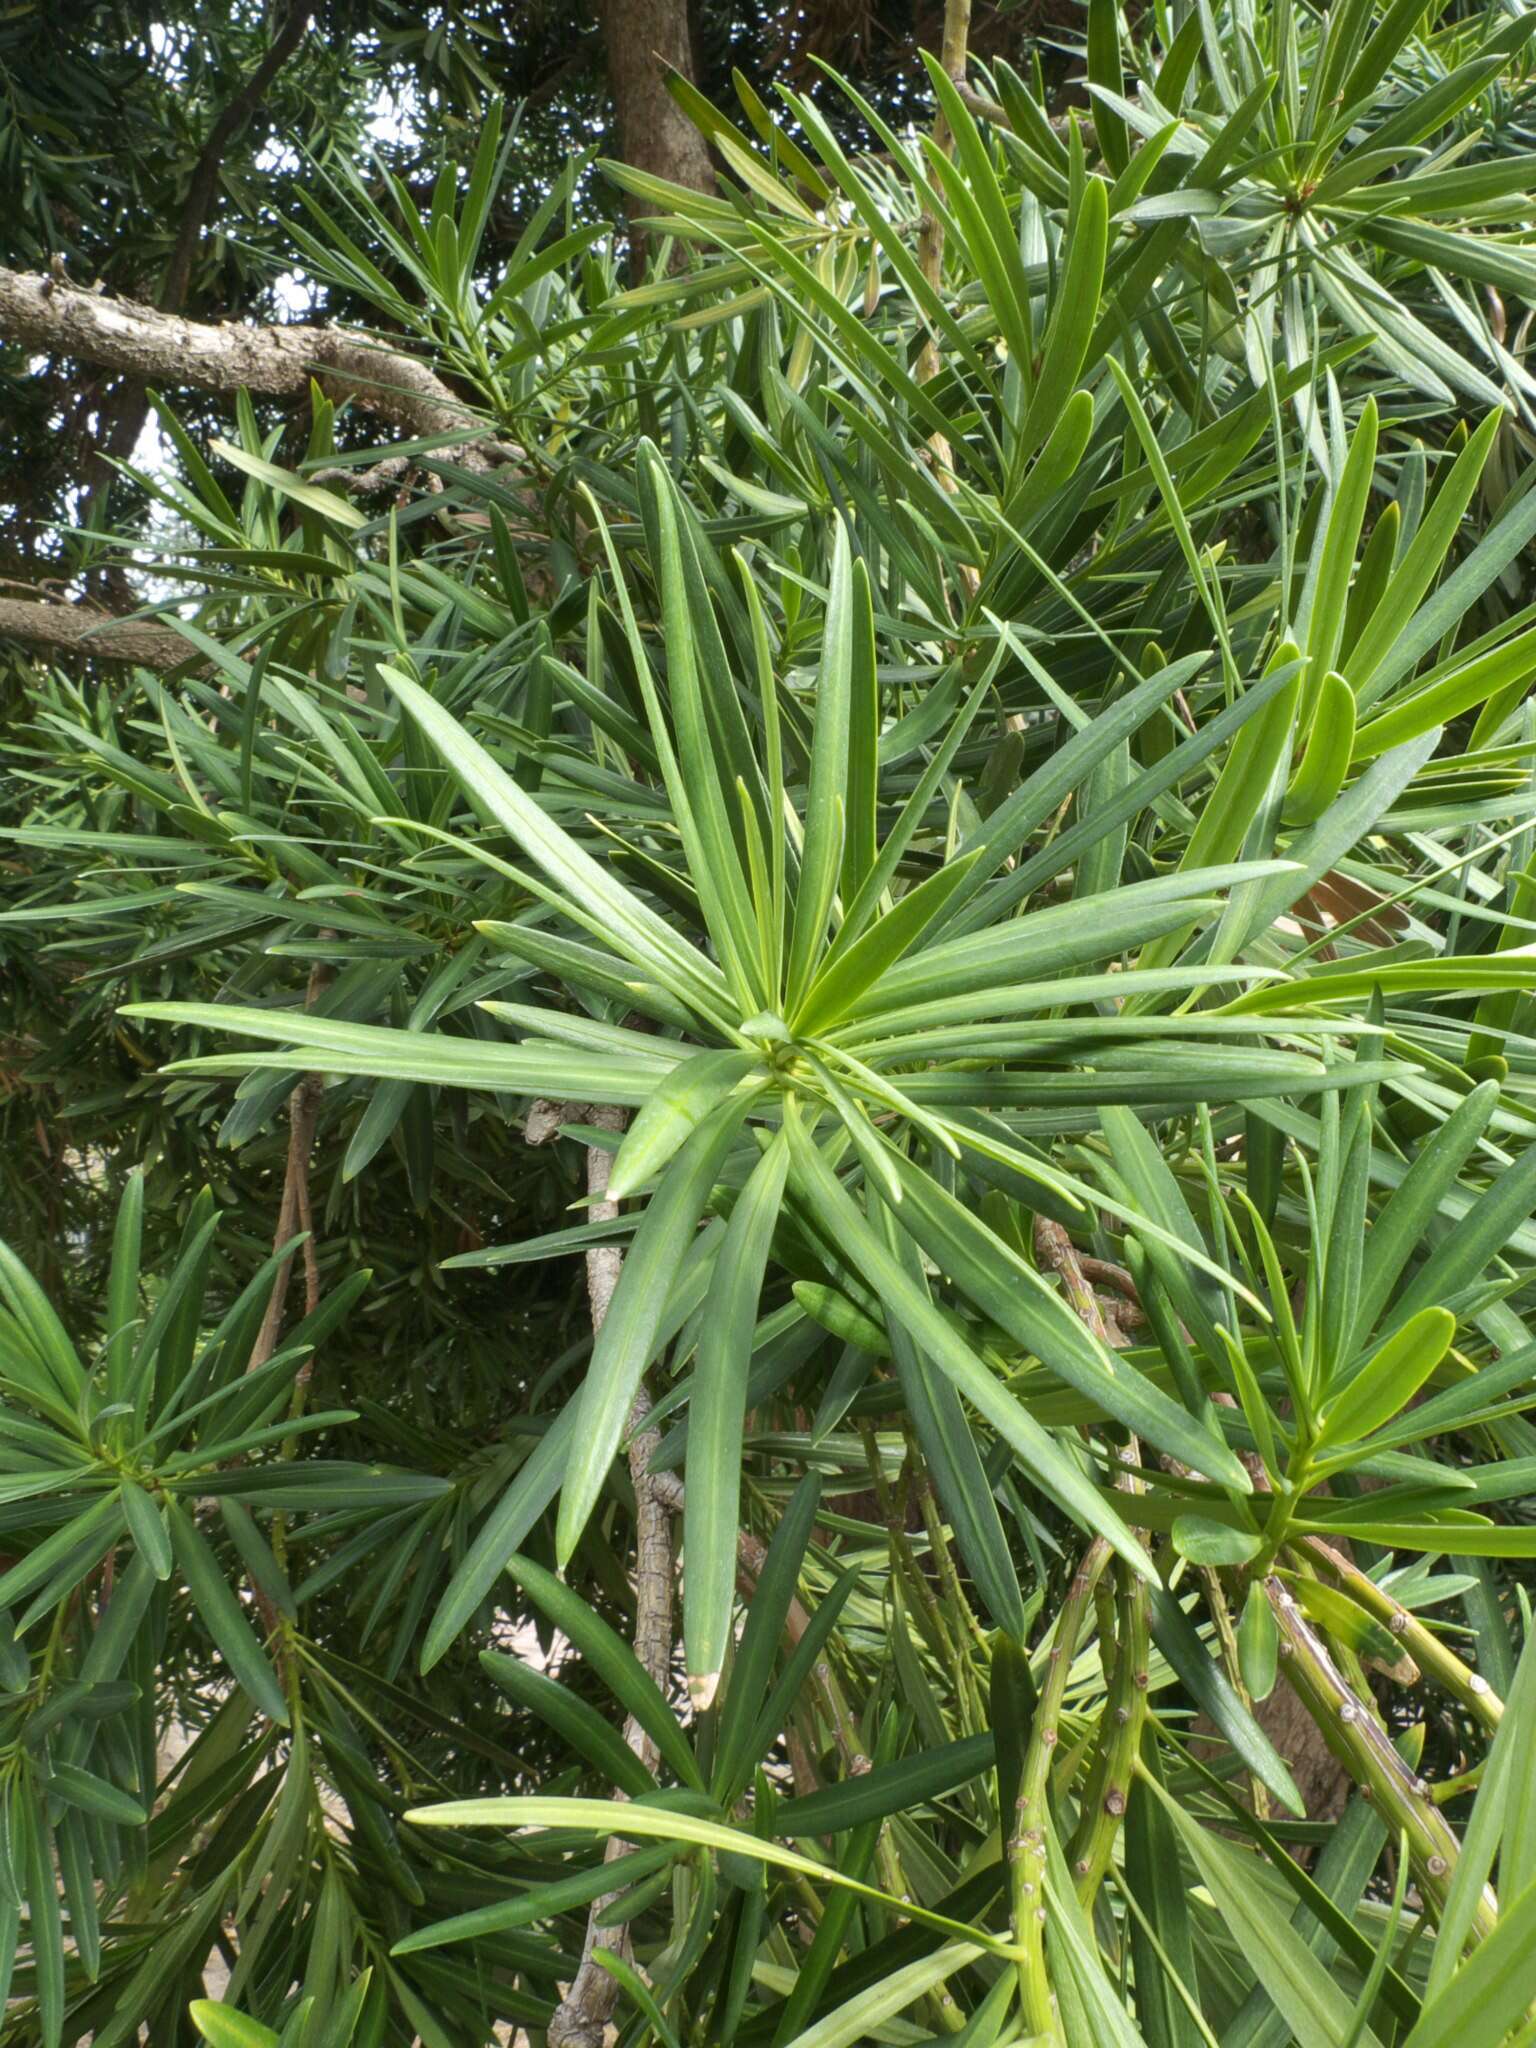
[(580, 1725), (146, 1527), (622, 917), (752, 1673), (1048, 1466), (629, 1329), (821, 859), (1162, 1939), (1447, 695), (1075, 312), (847, 973), (45, 1924), (1320, 774), (540, 1901), (1213, 1543), (959, 1477), (1389, 1378), (1399, 1230), (716, 1409), (613, 1661), (860, 2017), (91, 1794), (223, 1616), (1014, 1296), (502, 1533), (1314, 2007), (327, 1045), (680, 1103), (626, 1820), (1491, 1991), (638, 1993), (222, 2027), (1213, 1692), (123, 1286), (1258, 1644), (1337, 546), (888, 1788)]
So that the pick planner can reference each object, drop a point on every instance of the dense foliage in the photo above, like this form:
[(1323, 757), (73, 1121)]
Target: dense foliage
[(889, 967)]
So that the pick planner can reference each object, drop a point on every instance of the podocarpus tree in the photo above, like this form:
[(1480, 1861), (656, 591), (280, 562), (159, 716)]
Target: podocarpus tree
[(953, 778)]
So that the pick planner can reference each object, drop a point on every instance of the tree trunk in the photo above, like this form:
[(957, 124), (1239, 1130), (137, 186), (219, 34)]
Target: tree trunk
[(645, 39)]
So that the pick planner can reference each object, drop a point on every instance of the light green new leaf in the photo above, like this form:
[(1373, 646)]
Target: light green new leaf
[(695, 1087), (827, 796), (627, 1820), (1389, 1378), (858, 2018)]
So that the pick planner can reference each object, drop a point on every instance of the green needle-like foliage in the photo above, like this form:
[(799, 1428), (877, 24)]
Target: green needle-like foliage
[(797, 1301)]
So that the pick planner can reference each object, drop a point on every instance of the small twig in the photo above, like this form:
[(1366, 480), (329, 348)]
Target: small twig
[(1056, 1250), (582, 2015), (295, 1213)]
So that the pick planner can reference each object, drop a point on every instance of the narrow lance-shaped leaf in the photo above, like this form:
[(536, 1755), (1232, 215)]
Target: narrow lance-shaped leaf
[(223, 1616), (613, 1660), (712, 1504), (828, 791), (1389, 1378), (624, 1342), (1048, 1466)]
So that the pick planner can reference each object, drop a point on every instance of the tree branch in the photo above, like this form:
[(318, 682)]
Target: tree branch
[(130, 407), (78, 629), (582, 2016), (48, 313), (210, 161)]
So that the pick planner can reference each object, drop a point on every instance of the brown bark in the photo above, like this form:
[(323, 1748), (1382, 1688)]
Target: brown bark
[(57, 629), (52, 315), (644, 39)]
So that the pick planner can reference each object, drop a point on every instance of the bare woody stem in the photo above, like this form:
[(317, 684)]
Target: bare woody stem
[(1028, 1851), (59, 629), (1361, 1744), (930, 231), (1109, 1780), (49, 313), (1468, 1687), (582, 2015)]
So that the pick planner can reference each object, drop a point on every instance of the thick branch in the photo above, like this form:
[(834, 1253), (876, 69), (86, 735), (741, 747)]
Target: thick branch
[(49, 314), (76, 629)]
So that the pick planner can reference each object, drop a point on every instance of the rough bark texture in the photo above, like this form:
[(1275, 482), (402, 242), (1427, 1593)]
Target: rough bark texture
[(644, 38), (49, 314), (77, 629)]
